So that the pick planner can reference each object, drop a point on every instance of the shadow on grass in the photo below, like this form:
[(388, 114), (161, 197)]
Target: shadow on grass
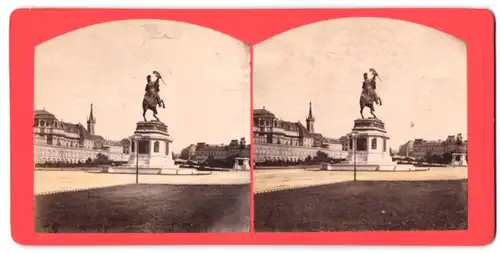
[(145, 208), (365, 205)]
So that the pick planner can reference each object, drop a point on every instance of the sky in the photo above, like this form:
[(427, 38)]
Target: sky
[(423, 72), (207, 75)]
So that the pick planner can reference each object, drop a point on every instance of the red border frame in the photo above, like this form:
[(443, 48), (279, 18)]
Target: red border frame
[(30, 27)]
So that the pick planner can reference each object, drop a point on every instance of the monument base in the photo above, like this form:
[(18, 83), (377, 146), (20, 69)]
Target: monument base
[(155, 171), (373, 167), (368, 149), (150, 153)]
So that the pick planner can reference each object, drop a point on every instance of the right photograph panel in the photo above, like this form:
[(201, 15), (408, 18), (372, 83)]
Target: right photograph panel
[(360, 124)]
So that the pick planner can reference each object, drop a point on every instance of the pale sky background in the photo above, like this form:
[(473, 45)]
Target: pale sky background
[(423, 72), (207, 74)]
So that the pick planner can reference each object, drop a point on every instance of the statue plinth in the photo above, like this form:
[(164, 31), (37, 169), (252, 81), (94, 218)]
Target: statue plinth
[(150, 150), (370, 143), (368, 147), (369, 124), (151, 127)]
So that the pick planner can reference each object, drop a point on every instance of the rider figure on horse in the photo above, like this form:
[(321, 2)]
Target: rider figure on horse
[(153, 88), (370, 85)]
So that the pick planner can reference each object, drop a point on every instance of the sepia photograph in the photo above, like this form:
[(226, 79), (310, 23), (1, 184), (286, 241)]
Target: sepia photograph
[(360, 124), (142, 126)]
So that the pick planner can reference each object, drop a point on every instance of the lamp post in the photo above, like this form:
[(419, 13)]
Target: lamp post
[(137, 139), (354, 147)]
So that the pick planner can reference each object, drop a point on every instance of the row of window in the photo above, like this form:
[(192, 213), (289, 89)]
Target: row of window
[(144, 147), (361, 144)]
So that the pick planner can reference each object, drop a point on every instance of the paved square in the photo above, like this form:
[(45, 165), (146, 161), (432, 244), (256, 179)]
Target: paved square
[(50, 181), (279, 179)]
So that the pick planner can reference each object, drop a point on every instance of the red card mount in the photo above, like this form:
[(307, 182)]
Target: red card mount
[(30, 27)]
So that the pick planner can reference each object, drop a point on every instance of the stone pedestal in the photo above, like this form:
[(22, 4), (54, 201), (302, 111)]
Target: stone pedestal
[(241, 163), (150, 150), (368, 147)]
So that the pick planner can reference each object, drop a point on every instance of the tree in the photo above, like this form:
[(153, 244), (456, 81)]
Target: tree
[(243, 143), (308, 159), (188, 152), (210, 160), (88, 161), (459, 139), (321, 157), (102, 159), (435, 159), (428, 157), (446, 159), (230, 160)]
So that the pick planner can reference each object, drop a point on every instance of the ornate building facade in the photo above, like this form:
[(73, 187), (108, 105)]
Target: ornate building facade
[(220, 152), (276, 139), (420, 148), (57, 141)]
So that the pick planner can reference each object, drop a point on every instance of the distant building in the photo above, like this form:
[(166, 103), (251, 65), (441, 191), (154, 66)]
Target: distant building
[(59, 141), (204, 151), (280, 140), (420, 148), (407, 148)]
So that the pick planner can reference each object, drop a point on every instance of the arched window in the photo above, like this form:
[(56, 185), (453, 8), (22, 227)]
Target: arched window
[(42, 123), (166, 147), (156, 147), (374, 143), (132, 147)]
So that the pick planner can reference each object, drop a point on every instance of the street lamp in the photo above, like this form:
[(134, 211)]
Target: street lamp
[(137, 139), (354, 147)]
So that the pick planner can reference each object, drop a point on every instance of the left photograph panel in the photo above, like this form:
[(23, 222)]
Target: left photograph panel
[(142, 126)]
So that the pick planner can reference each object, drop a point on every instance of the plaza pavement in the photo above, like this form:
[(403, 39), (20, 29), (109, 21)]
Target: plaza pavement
[(281, 179), (54, 181)]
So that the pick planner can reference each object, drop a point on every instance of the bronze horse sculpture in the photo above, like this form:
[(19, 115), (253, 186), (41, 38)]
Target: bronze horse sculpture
[(152, 98), (366, 100), (368, 95)]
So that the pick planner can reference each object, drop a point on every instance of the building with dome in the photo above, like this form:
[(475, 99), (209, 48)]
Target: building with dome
[(57, 141), (279, 140)]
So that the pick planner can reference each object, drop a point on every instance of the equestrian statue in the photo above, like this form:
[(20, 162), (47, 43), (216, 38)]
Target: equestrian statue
[(369, 94), (152, 97)]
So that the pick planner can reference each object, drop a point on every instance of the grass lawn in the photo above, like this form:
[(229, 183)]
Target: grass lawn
[(365, 205), (146, 208)]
